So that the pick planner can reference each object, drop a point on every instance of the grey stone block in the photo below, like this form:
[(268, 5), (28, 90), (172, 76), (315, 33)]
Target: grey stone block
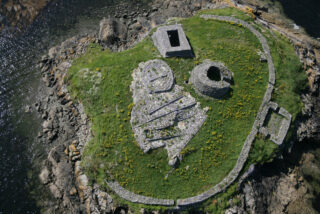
[(171, 41), (264, 131), (284, 127), (273, 106)]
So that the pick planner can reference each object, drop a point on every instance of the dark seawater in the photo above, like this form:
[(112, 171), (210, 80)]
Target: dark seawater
[(305, 13), (20, 80)]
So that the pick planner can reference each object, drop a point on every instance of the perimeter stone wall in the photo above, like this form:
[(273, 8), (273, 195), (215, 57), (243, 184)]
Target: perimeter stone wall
[(258, 124), (132, 197)]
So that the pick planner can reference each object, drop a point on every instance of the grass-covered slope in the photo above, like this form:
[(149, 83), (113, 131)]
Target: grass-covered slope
[(212, 153)]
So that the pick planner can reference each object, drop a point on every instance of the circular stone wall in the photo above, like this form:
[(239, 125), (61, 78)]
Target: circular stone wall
[(211, 79)]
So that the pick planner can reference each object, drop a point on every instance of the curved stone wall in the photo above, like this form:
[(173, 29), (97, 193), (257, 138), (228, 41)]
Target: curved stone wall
[(130, 196), (206, 86)]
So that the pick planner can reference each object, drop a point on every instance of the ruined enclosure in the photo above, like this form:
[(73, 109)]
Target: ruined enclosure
[(273, 122), (171, 41), (276, 123), (163, 114)]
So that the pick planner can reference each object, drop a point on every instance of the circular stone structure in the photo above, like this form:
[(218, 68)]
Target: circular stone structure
[(211, 79)]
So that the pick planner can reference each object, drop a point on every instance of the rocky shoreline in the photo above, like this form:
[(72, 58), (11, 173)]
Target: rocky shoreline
[(286, 184), (66, 128)]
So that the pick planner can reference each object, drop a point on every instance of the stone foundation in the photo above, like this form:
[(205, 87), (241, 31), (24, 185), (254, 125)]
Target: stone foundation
[(163, 114)]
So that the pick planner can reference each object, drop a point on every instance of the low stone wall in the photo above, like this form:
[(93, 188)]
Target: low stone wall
[(130, 196), (227, 181)]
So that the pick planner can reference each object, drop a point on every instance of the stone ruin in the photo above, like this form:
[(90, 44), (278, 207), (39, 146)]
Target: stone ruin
[(163, 114), (211, 79), (171, 41), (276, 124)]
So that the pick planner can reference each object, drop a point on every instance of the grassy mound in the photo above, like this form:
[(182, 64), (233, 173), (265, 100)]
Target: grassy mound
[(103, 88)]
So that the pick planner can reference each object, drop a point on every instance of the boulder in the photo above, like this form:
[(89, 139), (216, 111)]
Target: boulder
[(53, 52), (55, 191), (73, 191), (104, 201), (112, 31), (44, 175), (83, 182)]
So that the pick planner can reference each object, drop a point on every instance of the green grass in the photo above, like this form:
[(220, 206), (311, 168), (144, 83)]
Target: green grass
[(212, 153), (219, 203), (228, 11), (262, 151), (291, 78)]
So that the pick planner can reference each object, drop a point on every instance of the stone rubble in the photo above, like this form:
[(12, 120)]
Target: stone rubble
[(163, 114), (65, 121)]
